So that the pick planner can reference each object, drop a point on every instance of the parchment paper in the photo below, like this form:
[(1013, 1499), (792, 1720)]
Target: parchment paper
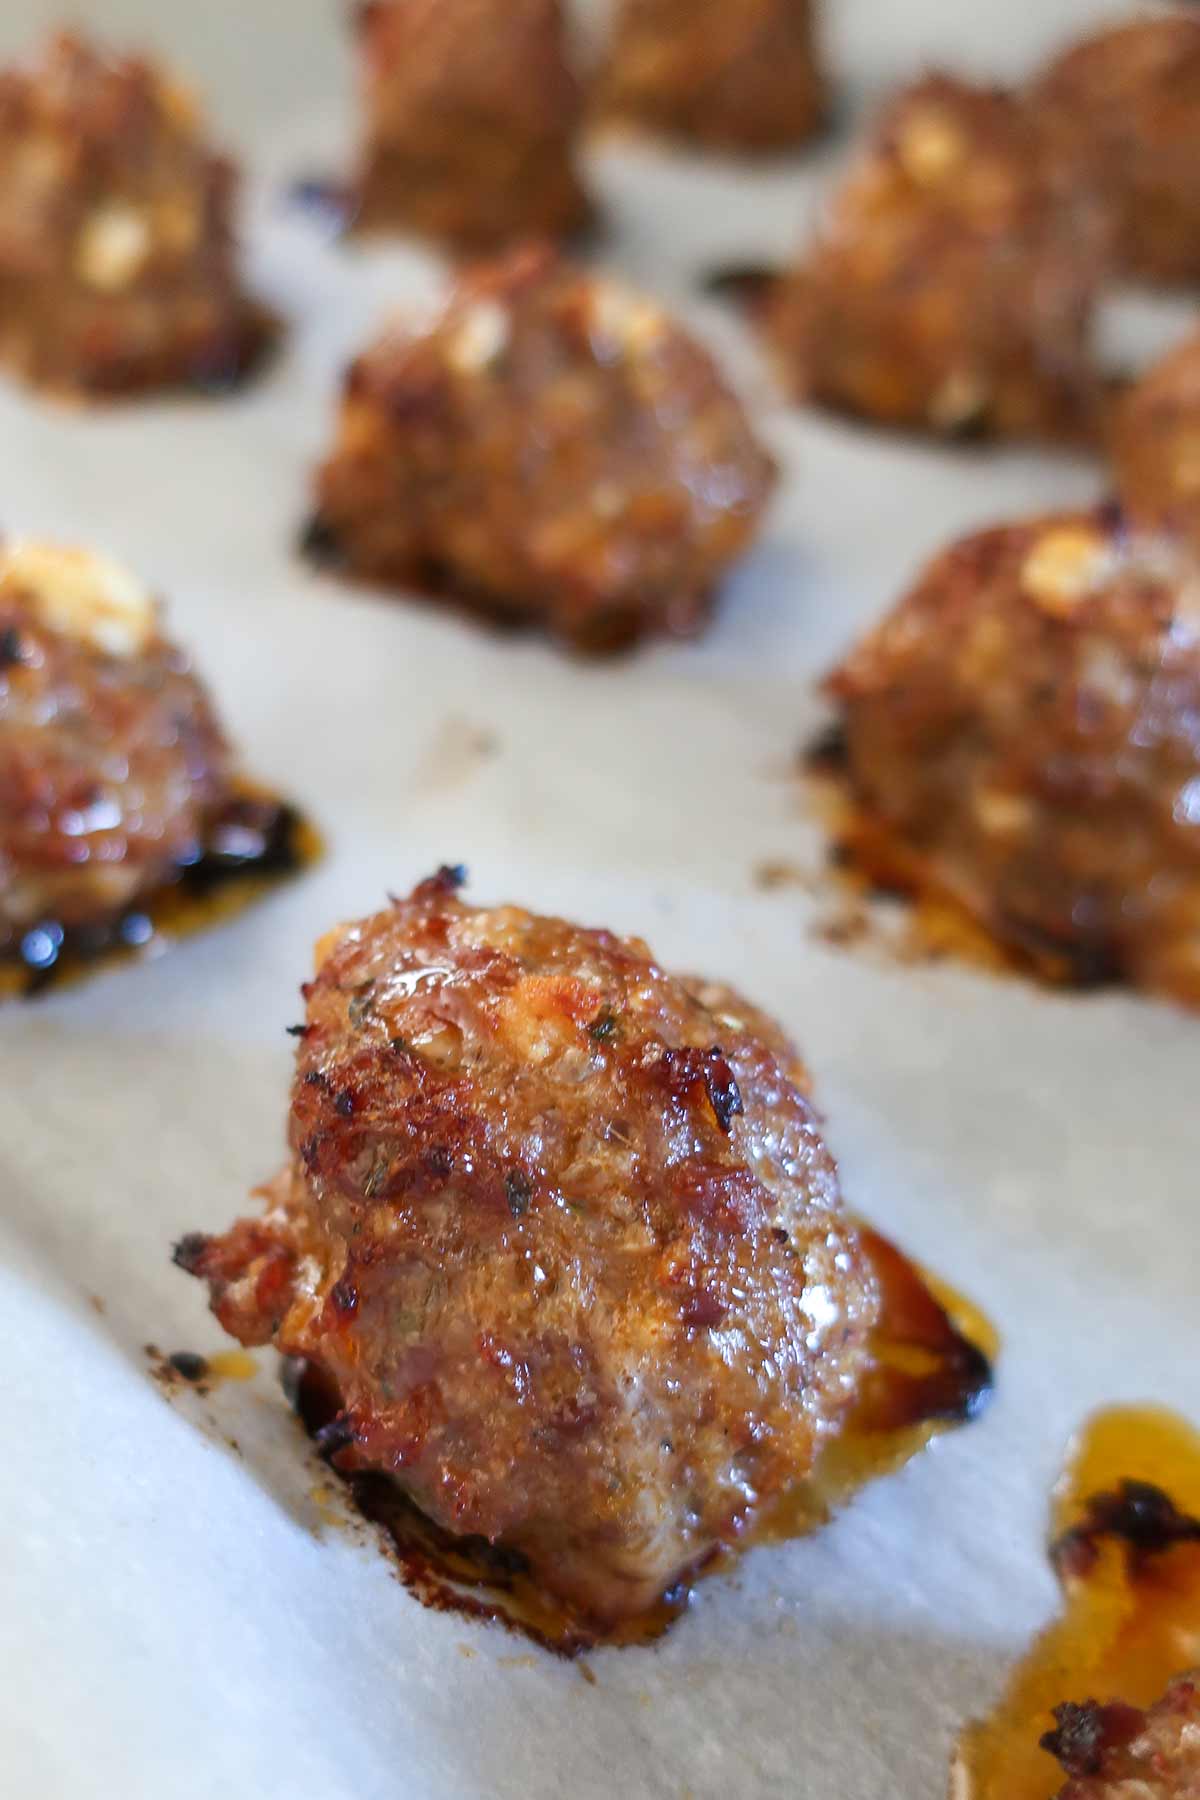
[(181, 1617)]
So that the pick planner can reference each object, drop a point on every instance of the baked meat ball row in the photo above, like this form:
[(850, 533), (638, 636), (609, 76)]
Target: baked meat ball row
[(561, 1232), (118, 266), (553, 447)]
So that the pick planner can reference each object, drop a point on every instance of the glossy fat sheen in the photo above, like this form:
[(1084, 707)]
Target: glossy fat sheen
[(472, 112), (951, 286), (109, 767), (553, 446), (1156, 443), (116, 256), (740, 74), (1160, 1762), (572, 1300), (1026, 727), (1128, 101)]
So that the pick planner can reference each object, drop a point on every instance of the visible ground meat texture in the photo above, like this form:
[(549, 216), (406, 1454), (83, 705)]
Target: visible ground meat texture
[(1119, 1752), (553, 447), (117, 259), (1128, 101), (111, 760), (472, 113), (1156, 443), (575, 1301), (734, 74), (1024, 728), (951, 287)]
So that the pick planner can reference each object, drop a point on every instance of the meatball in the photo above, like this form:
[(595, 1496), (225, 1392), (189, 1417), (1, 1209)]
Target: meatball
[(1156, 443), (117, 264), (1119, 1752), (553, 447), (952, 286), (1128, 101), (736, 74), (111, 760), (561, 1230), (1022, 734), (472, 112)]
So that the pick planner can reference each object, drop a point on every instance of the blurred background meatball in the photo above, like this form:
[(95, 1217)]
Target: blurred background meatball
[(735, 74), (561, 1231), (1156, 443), (951, 285), (1023, 732), (1128, 102), (117, 258), (111, 761), (471, 115), (553, 447)]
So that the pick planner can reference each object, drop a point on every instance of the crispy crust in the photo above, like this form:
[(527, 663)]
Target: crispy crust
[(563, 1235), (1119, 1752), (553, 448), (734, 74), (117, 260), (1127, 101), (472, 113), (951, 288), (1023, 728)]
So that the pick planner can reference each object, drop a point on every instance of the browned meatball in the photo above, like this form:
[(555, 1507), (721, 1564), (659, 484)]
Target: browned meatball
[(561, 1230), (1118, 1752), (738, 74), (553, 447), (1128, 101), (117, 265), (1156, 443), (952, 284), (111, 760), (1023, 733), (472, 112)]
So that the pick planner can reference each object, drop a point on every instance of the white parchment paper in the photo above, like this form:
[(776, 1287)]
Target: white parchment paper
[(179, 1617)]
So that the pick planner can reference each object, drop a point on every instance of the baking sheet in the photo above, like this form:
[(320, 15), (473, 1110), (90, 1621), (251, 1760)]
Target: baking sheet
[(182, 1616)]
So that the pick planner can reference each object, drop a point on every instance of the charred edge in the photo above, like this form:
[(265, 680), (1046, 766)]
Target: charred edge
[(344, 1296), (320, 544), (298, 1031), (518, 1192), (747, 285), (444, 884), (12, 649), (189, 1253), (686, 1066), (1083, 965), (829, 752), (337, 1435), (1141, 1516), (189, 1365), (1084, 1735)]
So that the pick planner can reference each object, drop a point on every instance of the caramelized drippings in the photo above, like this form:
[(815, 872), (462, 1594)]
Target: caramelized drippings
[(931, 1370), (868, 861), (254, 844), (1125, 1527)]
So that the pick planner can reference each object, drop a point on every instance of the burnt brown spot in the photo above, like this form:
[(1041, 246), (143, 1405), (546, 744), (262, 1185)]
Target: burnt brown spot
[(1084, 1735), (687, 1067), (1141, 1516)]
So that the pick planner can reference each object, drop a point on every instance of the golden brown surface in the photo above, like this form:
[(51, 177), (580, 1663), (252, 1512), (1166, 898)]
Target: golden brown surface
[(472, 112), (1118, 1752), (111, 766), (553, 447), (1156, 443), (951, 287), (117, 264), (1025, 726), (736, 74), (1128, 101), (562, 1231)]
